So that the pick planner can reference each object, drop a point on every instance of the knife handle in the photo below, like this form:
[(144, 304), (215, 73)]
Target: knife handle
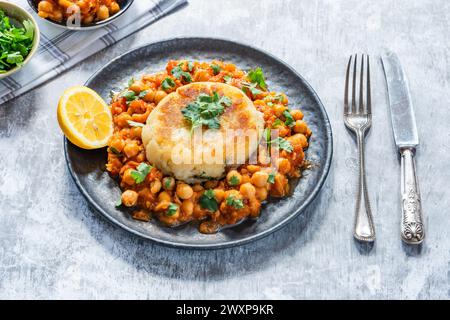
[(412, 229)]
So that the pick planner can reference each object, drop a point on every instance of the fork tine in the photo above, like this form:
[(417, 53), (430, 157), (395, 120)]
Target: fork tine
[(346, 107), (354, 86), (369, 98), (361, 87)]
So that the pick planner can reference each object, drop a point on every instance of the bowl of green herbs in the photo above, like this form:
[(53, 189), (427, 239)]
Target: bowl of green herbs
[(19, 38)]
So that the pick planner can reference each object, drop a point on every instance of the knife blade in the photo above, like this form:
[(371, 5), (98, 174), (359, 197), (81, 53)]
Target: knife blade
[(402, 113), (407, 140)]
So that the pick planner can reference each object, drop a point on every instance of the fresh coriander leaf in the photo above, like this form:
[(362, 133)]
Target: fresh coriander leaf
[(167, 183), (130, 82), (257, 76), (227, 78), (142, 94), (282, 144), (270, 104), (181, 75), (29, 29), (289, 119), (208, 201), (216, 69), (279, 97), (129, 95), (15, 58), (206, 110), (190, 66), (234, 181), (167, 84), (141, 173), (235, 203), (251, 87), (277, 122), (135, 124), (271, 178), (119, 202), (172, 209), (115, 151)]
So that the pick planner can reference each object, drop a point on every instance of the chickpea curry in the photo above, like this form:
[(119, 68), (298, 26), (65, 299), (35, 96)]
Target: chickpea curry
[(90, 10), (239, 194)]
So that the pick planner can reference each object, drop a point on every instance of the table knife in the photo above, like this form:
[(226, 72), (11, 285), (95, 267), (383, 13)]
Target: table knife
[(407, 140)]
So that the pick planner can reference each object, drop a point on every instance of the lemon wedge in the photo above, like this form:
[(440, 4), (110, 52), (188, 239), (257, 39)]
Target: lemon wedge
[(85, 118)]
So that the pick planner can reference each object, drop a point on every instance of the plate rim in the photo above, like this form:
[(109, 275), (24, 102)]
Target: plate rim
[(226, 244)]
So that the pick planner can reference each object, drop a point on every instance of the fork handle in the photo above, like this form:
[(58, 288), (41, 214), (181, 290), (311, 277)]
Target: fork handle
[(364, 229), (412, 229)]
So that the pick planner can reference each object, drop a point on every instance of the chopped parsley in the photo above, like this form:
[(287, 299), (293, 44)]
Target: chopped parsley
[(289, 119), (208, 200), (135, 124), (172, 209), (216, 69), (141, 172), (181, 75), (271, 178), (234, 181), (168, 84), (205, 110), (257, 76), (235, 203), (15, 42)]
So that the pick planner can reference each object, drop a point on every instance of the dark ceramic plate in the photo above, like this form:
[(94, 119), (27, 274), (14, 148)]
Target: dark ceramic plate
[(124, 5), (88, 167)]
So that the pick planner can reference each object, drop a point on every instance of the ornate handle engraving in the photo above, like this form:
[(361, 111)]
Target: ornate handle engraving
[(412, 229)]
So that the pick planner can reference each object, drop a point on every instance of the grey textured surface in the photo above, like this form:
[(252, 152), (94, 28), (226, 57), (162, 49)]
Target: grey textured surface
[(52, 245)]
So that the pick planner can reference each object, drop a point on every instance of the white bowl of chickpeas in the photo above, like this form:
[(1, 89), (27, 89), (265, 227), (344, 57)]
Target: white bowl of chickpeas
[(80, 14)]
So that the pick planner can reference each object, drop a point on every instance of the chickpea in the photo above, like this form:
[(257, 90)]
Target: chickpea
[(137, 87), (261, 194), (247, 190), (284, 166), (127, 178), (187, 207), (279, 109), (129, 198), (114, 8), (253, 168), (131, 149), (46, 6), (117, 144), (155, 186), (159, 95), (219, 195), (298, 140), (164, 197), (259, 179), (88, 19), (184, 191), (234, 178), (150, 96), (168, 183), (102, 12), (232, 193), (211, 184), (122, 119), (297, 114), (197, 187), (201, 75), (300, 127), (136, 132)]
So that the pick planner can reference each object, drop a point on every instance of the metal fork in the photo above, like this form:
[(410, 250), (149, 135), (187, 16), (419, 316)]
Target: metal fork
[(358, 119)]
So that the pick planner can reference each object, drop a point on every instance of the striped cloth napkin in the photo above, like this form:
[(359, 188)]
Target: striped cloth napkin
[(61, 49)]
